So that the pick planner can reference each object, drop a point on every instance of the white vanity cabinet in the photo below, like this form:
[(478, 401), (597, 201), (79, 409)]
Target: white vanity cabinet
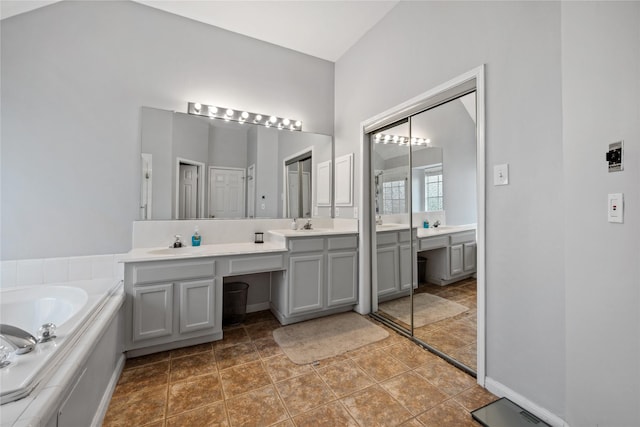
[(394, 263), (170, 302), (450, 257), (321, 278)]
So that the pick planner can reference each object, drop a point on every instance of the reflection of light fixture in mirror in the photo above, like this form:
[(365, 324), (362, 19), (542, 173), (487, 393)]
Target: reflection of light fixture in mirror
[(400, 140), (228, 114)]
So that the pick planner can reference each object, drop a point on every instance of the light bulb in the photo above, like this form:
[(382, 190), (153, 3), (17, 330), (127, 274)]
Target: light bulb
[(197, 107), (279, 125), (395, 138), (426, 141), (286, 122), (230, 112), (273, 119), (298, 123), (212, 111), (377, 137), (245, 115), (387, 138)]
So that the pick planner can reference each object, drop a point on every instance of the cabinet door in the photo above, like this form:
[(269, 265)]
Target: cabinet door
[(342, 287), (388, 274), (469, 257), (406, 264), (455, 260), (152, 311), (197, 305), (305, 283)]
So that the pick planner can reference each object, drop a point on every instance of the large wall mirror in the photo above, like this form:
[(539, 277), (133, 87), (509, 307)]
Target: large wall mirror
[(194, 167)]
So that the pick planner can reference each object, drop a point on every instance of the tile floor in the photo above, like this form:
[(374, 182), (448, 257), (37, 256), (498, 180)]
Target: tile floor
[(455, 336), (246, 380)]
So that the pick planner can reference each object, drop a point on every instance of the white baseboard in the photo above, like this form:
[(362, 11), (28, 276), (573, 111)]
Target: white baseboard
[(545, 415), (252, 308), (106, 397)]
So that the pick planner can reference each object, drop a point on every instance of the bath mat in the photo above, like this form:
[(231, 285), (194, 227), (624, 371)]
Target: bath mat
[(427, 308), (326, 337)]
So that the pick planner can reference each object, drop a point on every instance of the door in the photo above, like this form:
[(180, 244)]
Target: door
[(343, 278), (226, 193), (197, 305), (152, 311), (388, 274), (251, 191), (188, 192), (305, 283)]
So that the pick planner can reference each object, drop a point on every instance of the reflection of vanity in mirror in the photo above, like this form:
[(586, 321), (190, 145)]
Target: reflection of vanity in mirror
[(197, 167)]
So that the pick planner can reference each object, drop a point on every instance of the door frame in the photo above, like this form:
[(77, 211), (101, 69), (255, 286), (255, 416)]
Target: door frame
[(285, 177), (201, 181), (366, 227)]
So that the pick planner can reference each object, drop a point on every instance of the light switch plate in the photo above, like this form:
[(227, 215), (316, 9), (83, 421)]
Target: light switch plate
[(615, 208), (501, 174)]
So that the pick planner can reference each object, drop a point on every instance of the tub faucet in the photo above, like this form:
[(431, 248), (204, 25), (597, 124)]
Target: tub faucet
[(21, 340), (308, 225)]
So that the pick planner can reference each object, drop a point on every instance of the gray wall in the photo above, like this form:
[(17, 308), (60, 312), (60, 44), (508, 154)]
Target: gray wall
[(74, 76), (600, 93), (156, 139), (520, 44)]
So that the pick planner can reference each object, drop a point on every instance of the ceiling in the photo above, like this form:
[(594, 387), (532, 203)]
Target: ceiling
[(324, 29)]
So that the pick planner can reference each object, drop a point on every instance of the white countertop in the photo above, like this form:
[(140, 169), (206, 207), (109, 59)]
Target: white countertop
[(158, 254), (427, 232), (312, 232)]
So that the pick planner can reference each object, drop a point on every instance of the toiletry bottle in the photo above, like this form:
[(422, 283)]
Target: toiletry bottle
[(196, 238), (425, 224), (294, 224)]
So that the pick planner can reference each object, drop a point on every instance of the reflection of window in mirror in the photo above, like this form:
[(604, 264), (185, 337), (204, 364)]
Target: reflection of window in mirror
[(433, 189), (394, 197)]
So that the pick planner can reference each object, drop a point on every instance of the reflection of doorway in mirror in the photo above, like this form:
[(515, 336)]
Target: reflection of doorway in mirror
[(251, 191), (189, 186), (226, 192), (146, 192)]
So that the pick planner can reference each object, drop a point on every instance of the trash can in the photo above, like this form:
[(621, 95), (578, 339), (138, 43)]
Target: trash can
[(422, 270), (234, 302)]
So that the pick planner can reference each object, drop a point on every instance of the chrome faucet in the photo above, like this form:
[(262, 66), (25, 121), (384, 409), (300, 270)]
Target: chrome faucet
[(177, 243), (378, 219), (308, 225), (21, 340), (436, 224)]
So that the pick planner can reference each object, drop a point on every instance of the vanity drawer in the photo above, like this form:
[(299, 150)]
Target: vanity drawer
[(306, 245), (467, 236), (169, 271), (434, 243), (386, 238), (346, 242), (254, 264)]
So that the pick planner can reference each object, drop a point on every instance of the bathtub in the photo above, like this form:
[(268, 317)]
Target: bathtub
[(70, 306)]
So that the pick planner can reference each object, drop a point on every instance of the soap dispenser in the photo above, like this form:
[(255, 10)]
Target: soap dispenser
[(294, 224), (196, 238)]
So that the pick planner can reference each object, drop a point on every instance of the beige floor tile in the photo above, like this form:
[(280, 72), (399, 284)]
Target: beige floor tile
[(410, 354), (345, 377), (145, 360), (262, 330), (142, 376), (228, 357), (446, 377), (137, 408), (303, 393), (192, 394), (267, 347), (191, 366), (281, 368), (330, 415), (207, 416), (257, 408), (243, 378), (194, 349), (231, 337), (414, 392), (447, 414), (380, 365), (475, 397), (373, 407)]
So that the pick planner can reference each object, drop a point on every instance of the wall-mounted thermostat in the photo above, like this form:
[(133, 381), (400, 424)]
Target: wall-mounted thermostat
[(614, 157)]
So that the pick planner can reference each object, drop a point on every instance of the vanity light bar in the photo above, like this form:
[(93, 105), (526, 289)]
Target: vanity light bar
[(381, 138), (228, 114)]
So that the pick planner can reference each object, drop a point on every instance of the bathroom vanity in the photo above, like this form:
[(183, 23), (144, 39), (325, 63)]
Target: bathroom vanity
[(174, 296), (451, 253)]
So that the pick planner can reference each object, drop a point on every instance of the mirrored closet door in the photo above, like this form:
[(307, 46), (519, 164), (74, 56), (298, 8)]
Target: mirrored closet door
[(423, 176)]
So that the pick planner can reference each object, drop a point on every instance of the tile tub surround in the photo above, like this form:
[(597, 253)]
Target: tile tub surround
[(46, 271), (246, 380)]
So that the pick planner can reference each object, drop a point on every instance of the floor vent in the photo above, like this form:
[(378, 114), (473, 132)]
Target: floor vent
[(505, 413)]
